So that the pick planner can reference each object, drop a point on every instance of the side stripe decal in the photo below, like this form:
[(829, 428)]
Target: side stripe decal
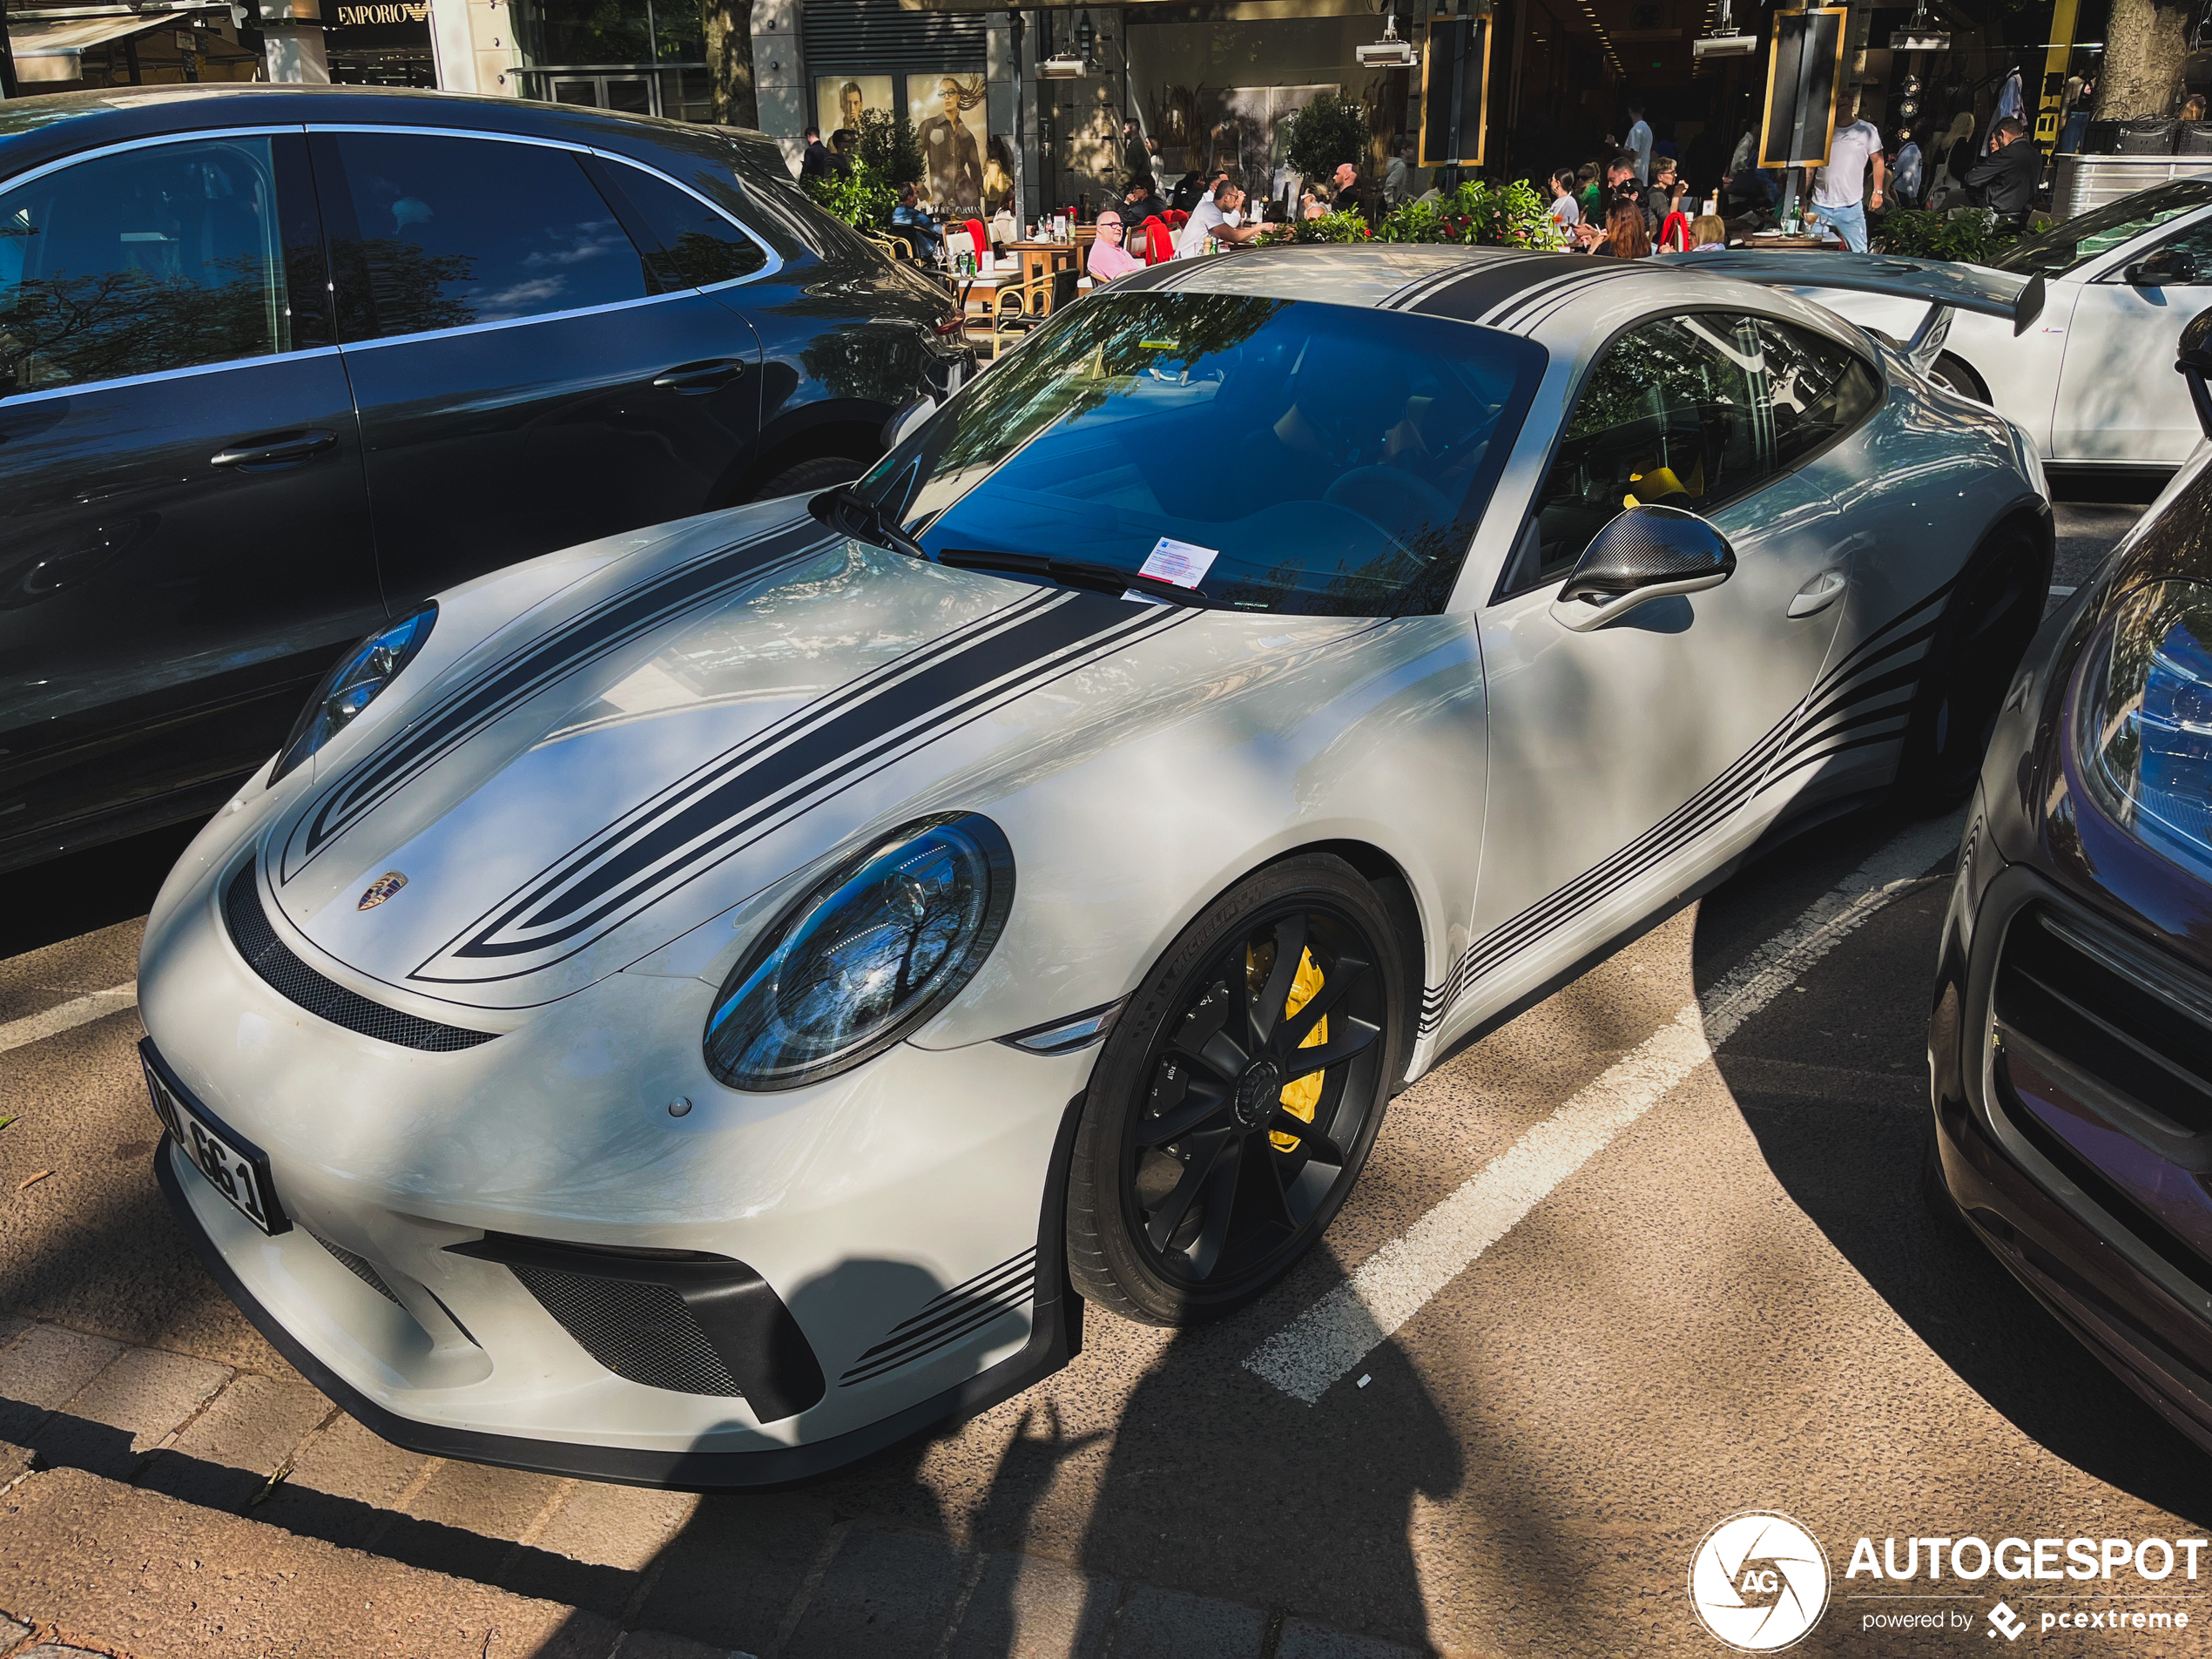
[(530, 667), (808, 758), (1831, 720)]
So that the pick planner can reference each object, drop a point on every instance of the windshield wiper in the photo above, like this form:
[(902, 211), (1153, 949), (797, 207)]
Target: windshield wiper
[(846, 511), (1088, 574)]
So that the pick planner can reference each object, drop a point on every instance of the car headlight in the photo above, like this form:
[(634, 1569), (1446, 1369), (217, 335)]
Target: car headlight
[(2143, 725), (359, 679), (883, 942)]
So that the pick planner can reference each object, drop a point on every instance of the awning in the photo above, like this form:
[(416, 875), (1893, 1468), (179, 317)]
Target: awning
[(52, 48)]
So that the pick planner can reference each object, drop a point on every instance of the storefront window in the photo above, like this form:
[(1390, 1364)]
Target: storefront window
[(645, 56)]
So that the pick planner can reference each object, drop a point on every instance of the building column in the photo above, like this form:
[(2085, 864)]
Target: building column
[(1001, 78), (474, 45), (292, 44), (779, 75)]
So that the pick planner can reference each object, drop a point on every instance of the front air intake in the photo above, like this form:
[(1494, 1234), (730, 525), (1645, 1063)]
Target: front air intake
[(295, 982), (681, 1319)]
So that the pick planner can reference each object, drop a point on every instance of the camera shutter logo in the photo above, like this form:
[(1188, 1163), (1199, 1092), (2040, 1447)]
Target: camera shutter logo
[(1758, 1582)]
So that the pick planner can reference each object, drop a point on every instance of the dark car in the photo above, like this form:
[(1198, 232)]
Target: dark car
[(276, 362), (2070, 1050)]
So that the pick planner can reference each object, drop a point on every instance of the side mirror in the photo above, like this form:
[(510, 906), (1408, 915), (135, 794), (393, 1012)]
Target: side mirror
[(1647, 553), (2194, 361), (901, 426)]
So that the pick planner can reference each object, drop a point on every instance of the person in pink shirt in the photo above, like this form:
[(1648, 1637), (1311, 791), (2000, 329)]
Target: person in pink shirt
[(1109, 259)]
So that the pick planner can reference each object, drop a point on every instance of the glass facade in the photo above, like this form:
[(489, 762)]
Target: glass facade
[(648, 57)]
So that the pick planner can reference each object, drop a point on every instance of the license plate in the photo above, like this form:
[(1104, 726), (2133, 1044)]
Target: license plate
[(233, 1166)]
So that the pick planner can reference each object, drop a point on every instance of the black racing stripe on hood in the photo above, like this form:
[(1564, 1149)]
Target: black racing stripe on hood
[(527, 671), (688, 830)]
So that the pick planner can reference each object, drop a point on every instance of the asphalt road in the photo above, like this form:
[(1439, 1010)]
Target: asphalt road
[(1727, 1295)]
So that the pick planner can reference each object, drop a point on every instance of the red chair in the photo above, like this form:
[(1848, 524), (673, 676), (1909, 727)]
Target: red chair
[(1159, 247), (974, 228), (1177, 218)]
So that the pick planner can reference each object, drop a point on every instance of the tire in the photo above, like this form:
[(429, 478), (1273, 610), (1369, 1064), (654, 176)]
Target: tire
[(1992, 614), (1201, 1175), (805, 477), (1951, 372)]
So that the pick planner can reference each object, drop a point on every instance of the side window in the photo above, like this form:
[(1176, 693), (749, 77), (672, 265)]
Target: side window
[(163, 258), (1670, 413), (698, 247), (2188, 257), (447, 232), (1814, 390)]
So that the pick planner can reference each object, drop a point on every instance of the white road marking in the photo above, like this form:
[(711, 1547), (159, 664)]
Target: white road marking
[(96, 1006), (1326, 1341), (2062, 593)]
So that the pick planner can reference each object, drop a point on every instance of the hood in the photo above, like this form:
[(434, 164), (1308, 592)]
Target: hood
[(586, 785)]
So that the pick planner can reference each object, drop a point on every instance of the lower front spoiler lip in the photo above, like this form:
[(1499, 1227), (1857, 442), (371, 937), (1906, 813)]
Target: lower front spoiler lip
[(1052, 1340), (2077, 1276)]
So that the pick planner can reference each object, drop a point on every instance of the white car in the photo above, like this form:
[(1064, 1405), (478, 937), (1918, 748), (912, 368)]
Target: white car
[(705, 1005), (2093, 377)]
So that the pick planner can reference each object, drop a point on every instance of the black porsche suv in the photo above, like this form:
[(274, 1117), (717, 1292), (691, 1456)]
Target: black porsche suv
[(276, 362)]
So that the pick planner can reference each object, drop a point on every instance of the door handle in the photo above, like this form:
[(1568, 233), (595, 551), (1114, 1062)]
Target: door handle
[(265, 454), (1817, 594), (692, 379)]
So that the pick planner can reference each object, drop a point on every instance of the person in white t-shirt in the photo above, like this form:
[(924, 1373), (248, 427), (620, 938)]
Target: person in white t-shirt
[(1218, 218), (1639, 139), (1566, 213), (1838, 188)]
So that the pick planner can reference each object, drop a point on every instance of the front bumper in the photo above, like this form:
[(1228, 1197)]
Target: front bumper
[(2106, 1233), (902, 1222)]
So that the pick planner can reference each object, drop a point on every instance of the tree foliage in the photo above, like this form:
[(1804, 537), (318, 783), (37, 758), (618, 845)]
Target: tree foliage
[(1973, 236), (1326, 134), (861, 195), (1476, 213), (890, 146)]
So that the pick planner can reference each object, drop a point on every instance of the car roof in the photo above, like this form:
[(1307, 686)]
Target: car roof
[(35, 130), (1513, 289)]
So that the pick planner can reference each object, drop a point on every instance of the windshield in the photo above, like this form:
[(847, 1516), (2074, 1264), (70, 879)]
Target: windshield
[(1268, 455), (2081, 239)]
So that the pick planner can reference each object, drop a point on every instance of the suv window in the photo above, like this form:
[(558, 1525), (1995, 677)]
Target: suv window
[(449, 232), (1670, 413), (698, 247), (164, 258), (1813, 389)]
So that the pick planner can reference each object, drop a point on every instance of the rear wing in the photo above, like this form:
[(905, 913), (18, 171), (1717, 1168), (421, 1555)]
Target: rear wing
[(1942, 285)]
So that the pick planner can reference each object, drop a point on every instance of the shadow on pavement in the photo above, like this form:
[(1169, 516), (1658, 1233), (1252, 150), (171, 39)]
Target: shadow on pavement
[(81, 893), (1833, 1085)]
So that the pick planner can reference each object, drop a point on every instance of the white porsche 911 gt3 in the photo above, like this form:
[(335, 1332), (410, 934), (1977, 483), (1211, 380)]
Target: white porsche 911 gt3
[(701, 1006)]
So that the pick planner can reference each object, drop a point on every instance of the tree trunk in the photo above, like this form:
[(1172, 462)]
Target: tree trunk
[(729, 62), (2144, 45)]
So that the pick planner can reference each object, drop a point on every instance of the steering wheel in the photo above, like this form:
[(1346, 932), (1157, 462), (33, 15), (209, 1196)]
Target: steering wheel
[(1391, 500)]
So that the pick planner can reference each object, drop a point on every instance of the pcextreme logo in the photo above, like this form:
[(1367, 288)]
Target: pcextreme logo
[(1758, 1582)]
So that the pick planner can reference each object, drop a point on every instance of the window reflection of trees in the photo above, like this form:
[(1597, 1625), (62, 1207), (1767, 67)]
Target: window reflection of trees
[(1391, 553), (410, 288), (69, 329)]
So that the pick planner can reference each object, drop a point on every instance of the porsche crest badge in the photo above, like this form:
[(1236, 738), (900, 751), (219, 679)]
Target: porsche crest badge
[(380, 889)]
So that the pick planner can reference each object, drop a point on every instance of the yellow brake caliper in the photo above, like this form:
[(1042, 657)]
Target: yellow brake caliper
[(1302, 1094)]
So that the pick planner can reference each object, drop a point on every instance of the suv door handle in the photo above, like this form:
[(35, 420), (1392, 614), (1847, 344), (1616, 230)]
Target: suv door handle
[(1817, 594), (266, 454), (691, 379)]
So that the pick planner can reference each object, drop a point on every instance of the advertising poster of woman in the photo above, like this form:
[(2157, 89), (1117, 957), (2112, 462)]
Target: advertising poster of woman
[(947, 114)]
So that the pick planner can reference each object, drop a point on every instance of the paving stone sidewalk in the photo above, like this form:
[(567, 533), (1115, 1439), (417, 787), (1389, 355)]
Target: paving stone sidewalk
[(152, 1504)]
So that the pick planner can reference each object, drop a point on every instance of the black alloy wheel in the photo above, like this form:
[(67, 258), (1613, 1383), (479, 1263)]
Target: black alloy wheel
[(1986, 625), (1235, 1101), (1952, 374)]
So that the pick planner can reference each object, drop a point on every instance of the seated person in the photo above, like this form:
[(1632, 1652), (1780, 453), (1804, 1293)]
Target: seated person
[(1110, 256), (912, 220)]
